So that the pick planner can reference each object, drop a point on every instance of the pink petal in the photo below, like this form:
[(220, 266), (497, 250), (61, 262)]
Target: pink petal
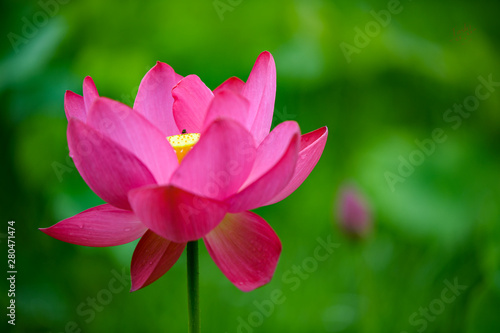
[(311, 148), (132, 131), (245, 248), (272, 148), (103, 225), (153, 257), (230, 105), (191, 100), (74, 106), (175, 214), (109, 169), (273, 168), (154, 99), (219, 163), (233, 83), (260, 90), (89, 92)]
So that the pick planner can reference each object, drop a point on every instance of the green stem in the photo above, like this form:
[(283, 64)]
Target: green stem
[(193, 276)]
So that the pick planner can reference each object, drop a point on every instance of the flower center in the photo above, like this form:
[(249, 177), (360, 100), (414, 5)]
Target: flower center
[(183, 143)]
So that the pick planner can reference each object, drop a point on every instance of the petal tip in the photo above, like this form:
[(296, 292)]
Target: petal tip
[(162, 66), (69, 92), (266, 54), (88, 80)]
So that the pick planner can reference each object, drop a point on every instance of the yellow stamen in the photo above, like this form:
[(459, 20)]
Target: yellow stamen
[(183, 143)]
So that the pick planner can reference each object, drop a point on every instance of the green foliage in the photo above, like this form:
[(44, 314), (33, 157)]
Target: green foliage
[(438, 224)]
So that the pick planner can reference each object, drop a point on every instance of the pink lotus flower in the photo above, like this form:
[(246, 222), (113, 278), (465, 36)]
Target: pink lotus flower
[(230, 165)]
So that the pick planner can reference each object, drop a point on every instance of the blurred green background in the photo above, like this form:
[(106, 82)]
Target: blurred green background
[(439, 225)]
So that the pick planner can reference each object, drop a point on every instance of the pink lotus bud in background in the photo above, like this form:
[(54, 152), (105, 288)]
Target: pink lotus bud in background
[(353, 212)]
